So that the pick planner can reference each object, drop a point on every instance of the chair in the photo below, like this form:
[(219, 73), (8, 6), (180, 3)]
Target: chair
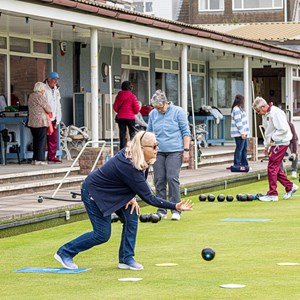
[(64, 140), (79, 136), (72, 138), (8, 139), (200, 135)]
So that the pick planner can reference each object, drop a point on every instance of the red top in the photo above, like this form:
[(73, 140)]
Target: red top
[(126, 105)]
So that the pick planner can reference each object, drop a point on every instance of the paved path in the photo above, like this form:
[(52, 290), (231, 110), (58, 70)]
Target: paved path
[(26, 204)]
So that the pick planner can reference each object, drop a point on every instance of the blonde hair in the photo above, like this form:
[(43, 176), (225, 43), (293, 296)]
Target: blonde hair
[(39, 86), (259, 102), (134, 150)]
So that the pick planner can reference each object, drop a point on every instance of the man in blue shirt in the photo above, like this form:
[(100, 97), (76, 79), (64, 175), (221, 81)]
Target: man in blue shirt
[(170, 125)]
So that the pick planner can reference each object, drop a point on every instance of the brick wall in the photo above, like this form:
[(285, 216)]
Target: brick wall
[(228, 16), (88, 158)]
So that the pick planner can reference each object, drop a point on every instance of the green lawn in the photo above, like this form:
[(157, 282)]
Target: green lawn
[(246, 253)]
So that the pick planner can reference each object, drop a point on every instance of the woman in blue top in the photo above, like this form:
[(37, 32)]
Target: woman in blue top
[(170, 125), (239, 131), (112, 188)]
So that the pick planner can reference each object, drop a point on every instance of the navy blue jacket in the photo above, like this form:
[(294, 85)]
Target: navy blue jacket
[(117, 182)]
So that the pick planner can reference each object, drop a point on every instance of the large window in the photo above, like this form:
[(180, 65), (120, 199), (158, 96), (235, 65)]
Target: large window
[(257, 4), (211, 5)]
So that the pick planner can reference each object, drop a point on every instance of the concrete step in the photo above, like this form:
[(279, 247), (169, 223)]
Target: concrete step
[(37, 175), (38, 186)]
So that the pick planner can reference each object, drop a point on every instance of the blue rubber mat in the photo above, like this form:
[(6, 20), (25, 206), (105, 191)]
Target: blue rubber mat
[(244, 220), (52, 270)]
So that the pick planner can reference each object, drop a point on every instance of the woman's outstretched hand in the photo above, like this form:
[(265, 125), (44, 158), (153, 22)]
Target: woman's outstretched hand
[(185, 205)]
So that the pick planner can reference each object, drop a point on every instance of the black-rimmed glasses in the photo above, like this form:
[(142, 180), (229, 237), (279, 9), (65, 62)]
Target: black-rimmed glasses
[(154, 147)]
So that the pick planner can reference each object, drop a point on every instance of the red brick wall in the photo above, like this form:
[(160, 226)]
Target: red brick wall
[(227, 16)]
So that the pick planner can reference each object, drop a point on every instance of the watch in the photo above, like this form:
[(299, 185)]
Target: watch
[(186, 149)]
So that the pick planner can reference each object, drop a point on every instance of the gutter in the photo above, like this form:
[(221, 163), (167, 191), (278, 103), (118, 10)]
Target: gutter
[(175, 26)]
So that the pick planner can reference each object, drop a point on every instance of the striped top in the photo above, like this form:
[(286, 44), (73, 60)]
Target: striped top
[(239, 122)]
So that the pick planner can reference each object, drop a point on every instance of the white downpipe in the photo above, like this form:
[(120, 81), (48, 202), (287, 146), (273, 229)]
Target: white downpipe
[(184, 78), (94, 85), (111, 113), (194, 124), (285, 11)]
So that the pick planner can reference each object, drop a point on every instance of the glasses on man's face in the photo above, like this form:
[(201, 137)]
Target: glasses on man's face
[(154, 147)]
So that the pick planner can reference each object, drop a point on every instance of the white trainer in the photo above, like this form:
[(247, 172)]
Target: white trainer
[(294, 174), (289, 194), (268, 198), (162, 216), (175, 217)]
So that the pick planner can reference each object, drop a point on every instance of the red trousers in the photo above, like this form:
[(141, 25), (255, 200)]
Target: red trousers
[(52, 141), (275, 172)]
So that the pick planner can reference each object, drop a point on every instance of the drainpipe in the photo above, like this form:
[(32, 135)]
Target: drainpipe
[(94, 85), (184, 77), (285, 11)]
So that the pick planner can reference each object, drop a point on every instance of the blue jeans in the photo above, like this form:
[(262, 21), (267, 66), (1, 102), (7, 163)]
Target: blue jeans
[(102, 231), (240, 153), (166, 171)]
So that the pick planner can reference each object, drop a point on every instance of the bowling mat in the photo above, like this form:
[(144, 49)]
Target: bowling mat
[(244, 220), (52, 270)]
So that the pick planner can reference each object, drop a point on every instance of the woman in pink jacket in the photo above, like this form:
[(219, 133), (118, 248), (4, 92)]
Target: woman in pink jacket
[(126, 106)]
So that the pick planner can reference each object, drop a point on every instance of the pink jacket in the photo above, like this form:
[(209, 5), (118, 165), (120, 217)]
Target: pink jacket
[(126, 105)]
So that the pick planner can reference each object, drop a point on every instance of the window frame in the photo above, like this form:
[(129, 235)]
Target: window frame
[(259, 8), (209, 9)]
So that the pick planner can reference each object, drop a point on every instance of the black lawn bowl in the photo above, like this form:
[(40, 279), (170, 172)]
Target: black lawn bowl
[(114, 218), (208, 254), (250, 197), (154, 218), (221, 198), (229, 198), (202, 197), (145, 218), (211, 197), (238, 197), (243, 197)]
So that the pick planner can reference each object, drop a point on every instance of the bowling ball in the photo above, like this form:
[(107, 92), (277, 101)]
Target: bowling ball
[(221, 198), (145, 218), (250, 197), (202, 197), (208, 254), (154, 218), (114, 218), (243, 197), (229, 198), (238, 197), (211, 197)]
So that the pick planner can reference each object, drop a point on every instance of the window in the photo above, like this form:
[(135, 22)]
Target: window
[(148, 7), (257, 4), (211, 5), (19, 45), (139, 7)]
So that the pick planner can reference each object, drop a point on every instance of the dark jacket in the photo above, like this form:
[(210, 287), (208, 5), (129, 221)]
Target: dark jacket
[(117, 182)]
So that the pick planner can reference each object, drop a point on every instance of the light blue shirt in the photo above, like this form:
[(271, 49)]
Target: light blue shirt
[(169, 128)]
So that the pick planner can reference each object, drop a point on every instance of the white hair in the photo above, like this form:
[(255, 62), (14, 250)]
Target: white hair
[(39, 86), (259, 102)]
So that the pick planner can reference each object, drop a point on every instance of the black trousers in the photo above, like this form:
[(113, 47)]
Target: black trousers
[(39, 140), (123, 125)]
